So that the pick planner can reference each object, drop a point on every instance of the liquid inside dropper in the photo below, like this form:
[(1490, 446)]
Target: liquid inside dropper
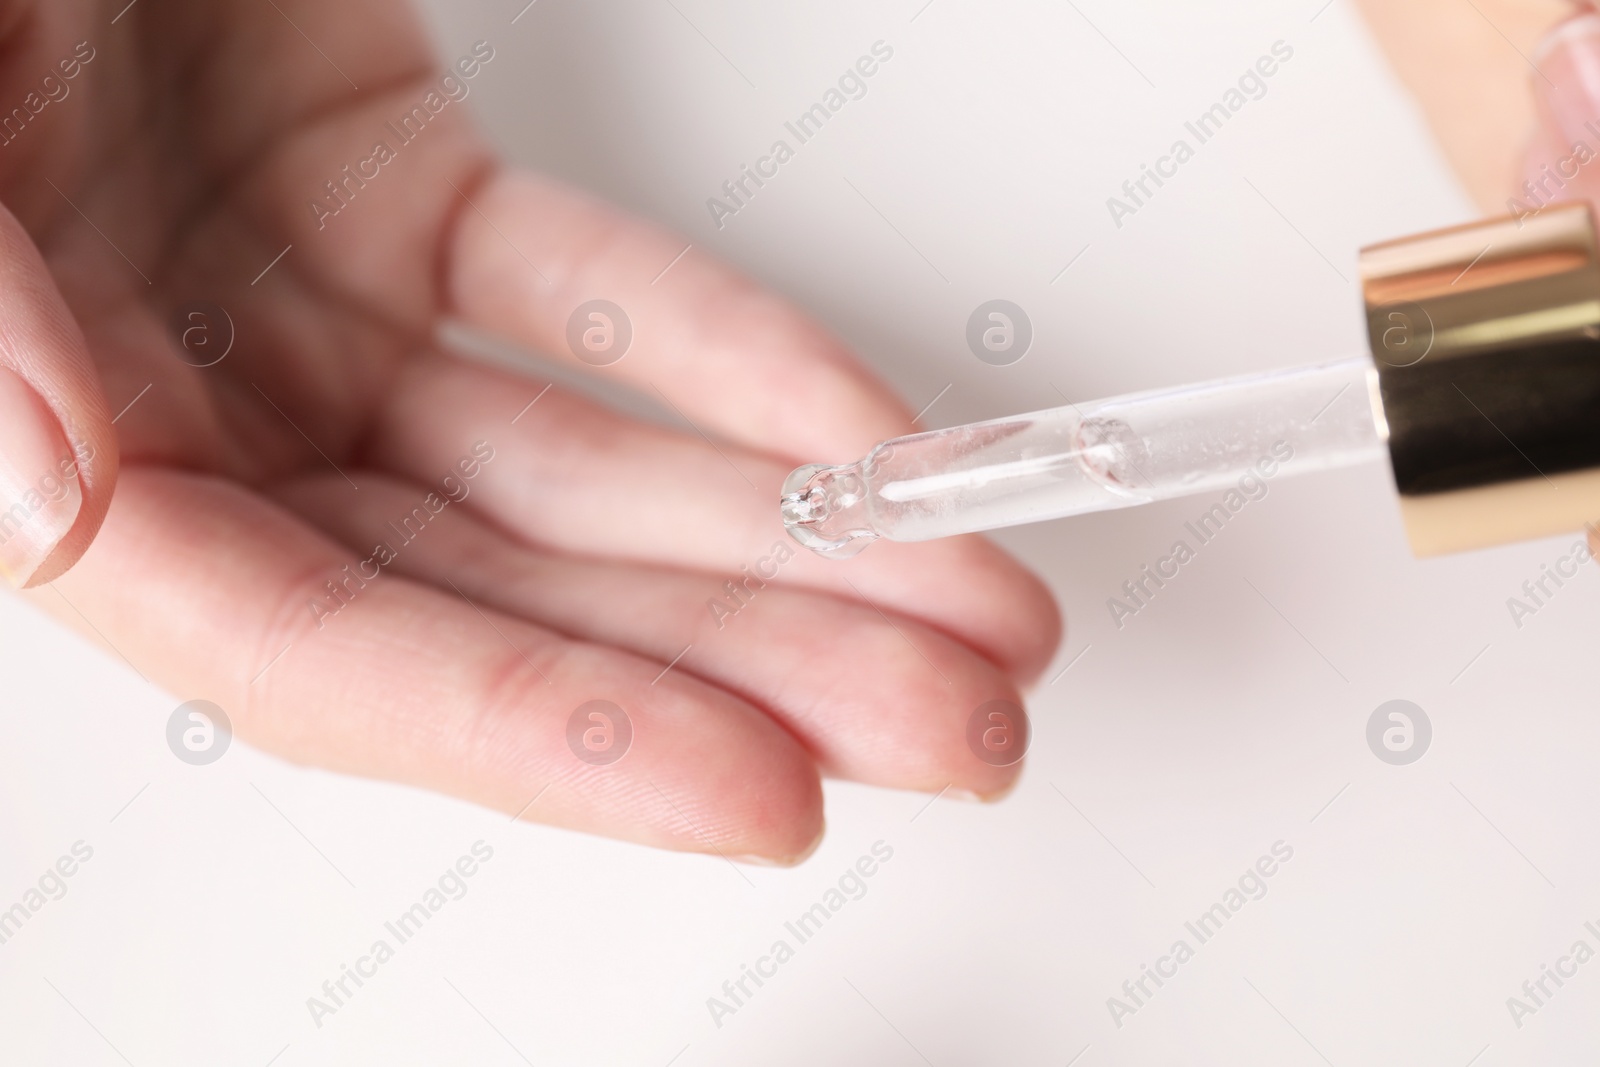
[(1081, 458)]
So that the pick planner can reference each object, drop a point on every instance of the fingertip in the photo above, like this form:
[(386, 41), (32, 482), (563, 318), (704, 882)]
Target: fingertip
[(1004, 792), (1566, 78), (58, 455), (94, 473), (795, 860), (792, 842), (1039, 625), (699, 770), (931, 715)]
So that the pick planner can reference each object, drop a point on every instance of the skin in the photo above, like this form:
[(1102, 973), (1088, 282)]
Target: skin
[(1467, 64), (581, 562)]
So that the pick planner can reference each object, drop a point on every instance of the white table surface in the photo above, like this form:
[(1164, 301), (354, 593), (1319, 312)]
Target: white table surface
[(1211, 726)]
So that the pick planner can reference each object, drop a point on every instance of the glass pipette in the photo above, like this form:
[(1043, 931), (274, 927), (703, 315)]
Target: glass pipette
[(1483, 393), (1090, 457)]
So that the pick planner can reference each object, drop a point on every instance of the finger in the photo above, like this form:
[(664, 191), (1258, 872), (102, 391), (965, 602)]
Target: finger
[(574, 476), (398, 681), (734, 359), (878, 700), (1560, 162), (58, 454), (1467, 66)]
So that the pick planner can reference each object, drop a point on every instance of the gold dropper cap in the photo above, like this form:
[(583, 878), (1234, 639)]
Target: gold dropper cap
[(1486, 339)]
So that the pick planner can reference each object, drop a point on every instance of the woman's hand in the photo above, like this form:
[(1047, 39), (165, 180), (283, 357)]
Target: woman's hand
[(1486, 73), (381, 560)]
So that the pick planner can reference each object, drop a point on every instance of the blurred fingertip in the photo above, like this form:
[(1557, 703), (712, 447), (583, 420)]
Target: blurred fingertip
[(793, 860)]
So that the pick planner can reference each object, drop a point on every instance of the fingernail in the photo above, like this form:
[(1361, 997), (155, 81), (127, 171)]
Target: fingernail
[(39, 494), (1567, 84), (1004, 791), (786, 861), (969, 796)]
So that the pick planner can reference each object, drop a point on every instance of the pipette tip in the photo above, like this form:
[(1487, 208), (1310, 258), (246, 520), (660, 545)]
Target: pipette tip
[(825, 509)]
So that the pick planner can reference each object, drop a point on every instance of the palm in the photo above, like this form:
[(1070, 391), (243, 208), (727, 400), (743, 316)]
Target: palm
[(182, 166), (198, 178)]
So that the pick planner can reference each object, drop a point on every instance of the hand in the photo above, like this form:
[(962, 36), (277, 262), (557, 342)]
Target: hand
[(565, 554), (1502, 95)]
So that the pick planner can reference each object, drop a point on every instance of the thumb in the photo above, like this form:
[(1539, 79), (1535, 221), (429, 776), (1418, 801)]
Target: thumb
[(58, 450)]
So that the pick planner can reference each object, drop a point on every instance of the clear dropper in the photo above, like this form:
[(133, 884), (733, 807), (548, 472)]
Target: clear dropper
[(1230, 434)]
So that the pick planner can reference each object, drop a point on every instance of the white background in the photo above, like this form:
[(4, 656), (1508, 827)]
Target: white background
[(1172, 754)]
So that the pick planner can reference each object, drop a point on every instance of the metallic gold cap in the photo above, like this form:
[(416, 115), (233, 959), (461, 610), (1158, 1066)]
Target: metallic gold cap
[(1486, 339)]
